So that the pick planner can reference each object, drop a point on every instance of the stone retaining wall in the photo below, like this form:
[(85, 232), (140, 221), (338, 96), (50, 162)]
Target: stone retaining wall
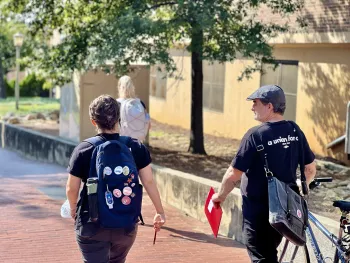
[(35, 145)]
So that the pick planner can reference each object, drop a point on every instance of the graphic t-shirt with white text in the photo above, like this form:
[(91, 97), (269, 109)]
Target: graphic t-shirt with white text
[(281, 143)]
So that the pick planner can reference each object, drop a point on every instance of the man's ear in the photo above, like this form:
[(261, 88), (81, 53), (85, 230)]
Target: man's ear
[(93, 122), (270, 106)]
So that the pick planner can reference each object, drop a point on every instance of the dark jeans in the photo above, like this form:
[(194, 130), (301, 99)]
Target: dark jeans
[(107, 246), (261, 240)]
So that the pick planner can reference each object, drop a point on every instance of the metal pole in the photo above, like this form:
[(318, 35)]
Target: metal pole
[(17, 73)]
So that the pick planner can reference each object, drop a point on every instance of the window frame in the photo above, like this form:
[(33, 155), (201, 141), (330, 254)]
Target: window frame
[(154, 75), (212, 83)]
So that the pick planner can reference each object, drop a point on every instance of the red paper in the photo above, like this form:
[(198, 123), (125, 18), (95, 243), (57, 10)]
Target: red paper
[(213, 212)]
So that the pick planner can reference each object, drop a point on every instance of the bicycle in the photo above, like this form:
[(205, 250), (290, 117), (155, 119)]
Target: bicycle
[(341, 243)]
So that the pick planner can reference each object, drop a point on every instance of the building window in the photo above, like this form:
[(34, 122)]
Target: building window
[(285, 76), (213, 86), (158, 81)]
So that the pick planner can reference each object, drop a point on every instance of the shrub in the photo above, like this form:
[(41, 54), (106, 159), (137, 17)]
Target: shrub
[(10, 87), (32, 86)]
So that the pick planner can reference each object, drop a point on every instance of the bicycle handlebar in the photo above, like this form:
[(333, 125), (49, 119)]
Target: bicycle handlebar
[(317, 182), (323, 180)]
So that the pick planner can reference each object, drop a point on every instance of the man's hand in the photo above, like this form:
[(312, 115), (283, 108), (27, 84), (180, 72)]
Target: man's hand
[(217, 199), (158, 221)]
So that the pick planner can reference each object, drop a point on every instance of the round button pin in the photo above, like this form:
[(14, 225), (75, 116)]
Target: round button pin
[(299, 213), (107, 170), (118, 170), (127, 191), (126, 170), (133, 184), (126, 200), (117, 193)]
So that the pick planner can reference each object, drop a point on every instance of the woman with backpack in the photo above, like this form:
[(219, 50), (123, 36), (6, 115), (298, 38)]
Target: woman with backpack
[(109, 166), (134, 118)]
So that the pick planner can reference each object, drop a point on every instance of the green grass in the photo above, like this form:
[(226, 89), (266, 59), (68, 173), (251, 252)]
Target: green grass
[(28, 105), (156, 134)]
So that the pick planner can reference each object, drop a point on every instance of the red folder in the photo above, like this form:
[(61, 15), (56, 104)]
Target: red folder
[(213, 212)]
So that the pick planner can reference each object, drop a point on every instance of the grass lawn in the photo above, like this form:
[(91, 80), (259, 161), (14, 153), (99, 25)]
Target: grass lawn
[(28, 105)]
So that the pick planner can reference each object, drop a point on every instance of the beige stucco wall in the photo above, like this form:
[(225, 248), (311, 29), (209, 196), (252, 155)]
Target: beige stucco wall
[(176, 108), (322, 95)]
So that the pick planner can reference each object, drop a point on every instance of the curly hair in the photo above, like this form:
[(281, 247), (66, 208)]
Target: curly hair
[(104, 110)]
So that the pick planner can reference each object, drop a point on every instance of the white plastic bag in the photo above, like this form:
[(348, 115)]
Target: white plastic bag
[(65, 210)]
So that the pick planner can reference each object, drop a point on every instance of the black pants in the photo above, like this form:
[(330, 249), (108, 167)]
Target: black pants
[(261, 240), (107, 246)]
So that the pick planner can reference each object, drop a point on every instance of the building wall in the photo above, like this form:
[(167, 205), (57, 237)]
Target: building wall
[(322, 95)]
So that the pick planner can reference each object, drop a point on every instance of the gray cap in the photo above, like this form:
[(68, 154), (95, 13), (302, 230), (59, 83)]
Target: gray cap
[(272, 94)]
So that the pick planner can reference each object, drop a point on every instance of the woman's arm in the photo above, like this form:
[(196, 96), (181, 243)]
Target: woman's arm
[(72, 192), (148, 182)]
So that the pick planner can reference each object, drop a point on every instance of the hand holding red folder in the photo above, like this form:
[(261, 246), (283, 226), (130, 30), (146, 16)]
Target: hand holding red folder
[(213, 212)]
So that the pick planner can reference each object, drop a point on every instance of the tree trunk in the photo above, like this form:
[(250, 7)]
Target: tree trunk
[(2, 82), (196, 136)]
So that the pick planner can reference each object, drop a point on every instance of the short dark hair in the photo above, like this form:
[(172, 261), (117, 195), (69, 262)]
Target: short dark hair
[(104, 110), (277, 109)]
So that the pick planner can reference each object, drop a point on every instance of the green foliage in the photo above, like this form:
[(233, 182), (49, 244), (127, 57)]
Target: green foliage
[(10, 87), (32, 86), (47, 85), (125, 31)]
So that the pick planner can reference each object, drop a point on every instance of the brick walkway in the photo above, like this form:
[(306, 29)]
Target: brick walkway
[(31, 229)]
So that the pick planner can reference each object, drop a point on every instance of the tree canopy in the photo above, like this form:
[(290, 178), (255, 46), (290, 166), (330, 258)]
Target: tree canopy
[(125, 31)]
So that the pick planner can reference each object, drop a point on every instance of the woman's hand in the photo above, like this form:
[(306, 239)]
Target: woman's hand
[(158, 221)]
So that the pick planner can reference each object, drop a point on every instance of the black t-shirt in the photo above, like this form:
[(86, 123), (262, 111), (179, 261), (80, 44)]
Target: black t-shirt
[(281, 143), (79, 166)]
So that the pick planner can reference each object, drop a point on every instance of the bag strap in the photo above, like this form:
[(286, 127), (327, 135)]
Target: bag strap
[(257, 139), (301, 157)]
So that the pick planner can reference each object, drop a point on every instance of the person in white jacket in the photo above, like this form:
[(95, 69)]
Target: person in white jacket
[(134, 118)]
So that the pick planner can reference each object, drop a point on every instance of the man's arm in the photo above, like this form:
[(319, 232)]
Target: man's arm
[(310, 172), (72, 192), (231, 177)]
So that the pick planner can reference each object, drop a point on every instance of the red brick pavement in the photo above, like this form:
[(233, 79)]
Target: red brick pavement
[(31, 230)]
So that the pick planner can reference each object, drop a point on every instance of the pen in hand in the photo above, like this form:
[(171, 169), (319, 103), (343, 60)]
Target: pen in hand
[(155, 236)]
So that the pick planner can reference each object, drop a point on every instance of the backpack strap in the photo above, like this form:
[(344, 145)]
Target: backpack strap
[(125, 140), (95, 141)]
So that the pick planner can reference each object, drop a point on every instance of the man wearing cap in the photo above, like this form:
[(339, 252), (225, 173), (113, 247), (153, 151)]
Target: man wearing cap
[(281, 144)]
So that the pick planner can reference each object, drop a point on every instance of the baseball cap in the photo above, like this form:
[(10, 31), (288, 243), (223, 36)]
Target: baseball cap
[(272, 94)]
